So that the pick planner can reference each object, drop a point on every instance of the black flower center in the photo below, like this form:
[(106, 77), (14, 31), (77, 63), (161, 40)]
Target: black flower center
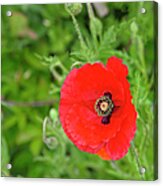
[(104, 107)]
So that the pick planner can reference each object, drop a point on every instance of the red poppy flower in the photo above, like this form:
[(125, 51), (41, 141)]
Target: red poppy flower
[(96, 110)]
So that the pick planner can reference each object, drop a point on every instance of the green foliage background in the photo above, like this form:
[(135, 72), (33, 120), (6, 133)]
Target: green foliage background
[(39, 47)]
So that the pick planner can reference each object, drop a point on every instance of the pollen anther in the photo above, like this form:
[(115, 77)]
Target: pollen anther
[(104, 106)]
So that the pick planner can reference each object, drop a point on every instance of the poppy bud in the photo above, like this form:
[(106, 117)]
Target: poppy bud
[(51, 142), (73, 8)]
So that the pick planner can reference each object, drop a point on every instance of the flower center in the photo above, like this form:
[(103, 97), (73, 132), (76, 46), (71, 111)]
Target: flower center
[(104, 107)]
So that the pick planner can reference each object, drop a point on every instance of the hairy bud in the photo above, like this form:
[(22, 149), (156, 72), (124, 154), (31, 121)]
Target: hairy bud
[(73, 8)]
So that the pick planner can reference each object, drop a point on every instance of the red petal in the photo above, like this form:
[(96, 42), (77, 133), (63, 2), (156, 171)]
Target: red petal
[(116, 65), (119, 145), (103, 154), (94, 80), (120, 71), (83, 126)]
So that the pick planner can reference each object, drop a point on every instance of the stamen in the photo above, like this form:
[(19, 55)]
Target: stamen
[(108, 94), (105, 120), (104, 107)]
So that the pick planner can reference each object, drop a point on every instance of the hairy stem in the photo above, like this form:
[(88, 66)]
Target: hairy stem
[(90, 11), (80, 37), (137, 160)]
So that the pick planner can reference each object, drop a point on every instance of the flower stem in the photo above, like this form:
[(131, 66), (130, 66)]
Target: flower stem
[(44, 128), (118, 170), (137, 160), (80, 37), (90, 10)]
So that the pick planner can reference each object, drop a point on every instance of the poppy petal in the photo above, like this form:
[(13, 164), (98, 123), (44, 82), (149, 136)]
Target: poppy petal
[(118, 146), (116, 65)]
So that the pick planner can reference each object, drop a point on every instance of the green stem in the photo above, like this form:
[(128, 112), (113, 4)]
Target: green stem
[(90, 11), (144, 66), (93, 26), (138, 164), (55, 72), (118, 169), (44, 128), (80, 37), (114, 165)]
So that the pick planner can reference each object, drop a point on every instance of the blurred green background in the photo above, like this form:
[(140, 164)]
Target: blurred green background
[(39, 47)]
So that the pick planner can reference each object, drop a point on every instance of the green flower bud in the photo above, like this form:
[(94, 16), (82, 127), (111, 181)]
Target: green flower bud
[(73, 8), (53, 115), (134, 27), (51, 142)]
